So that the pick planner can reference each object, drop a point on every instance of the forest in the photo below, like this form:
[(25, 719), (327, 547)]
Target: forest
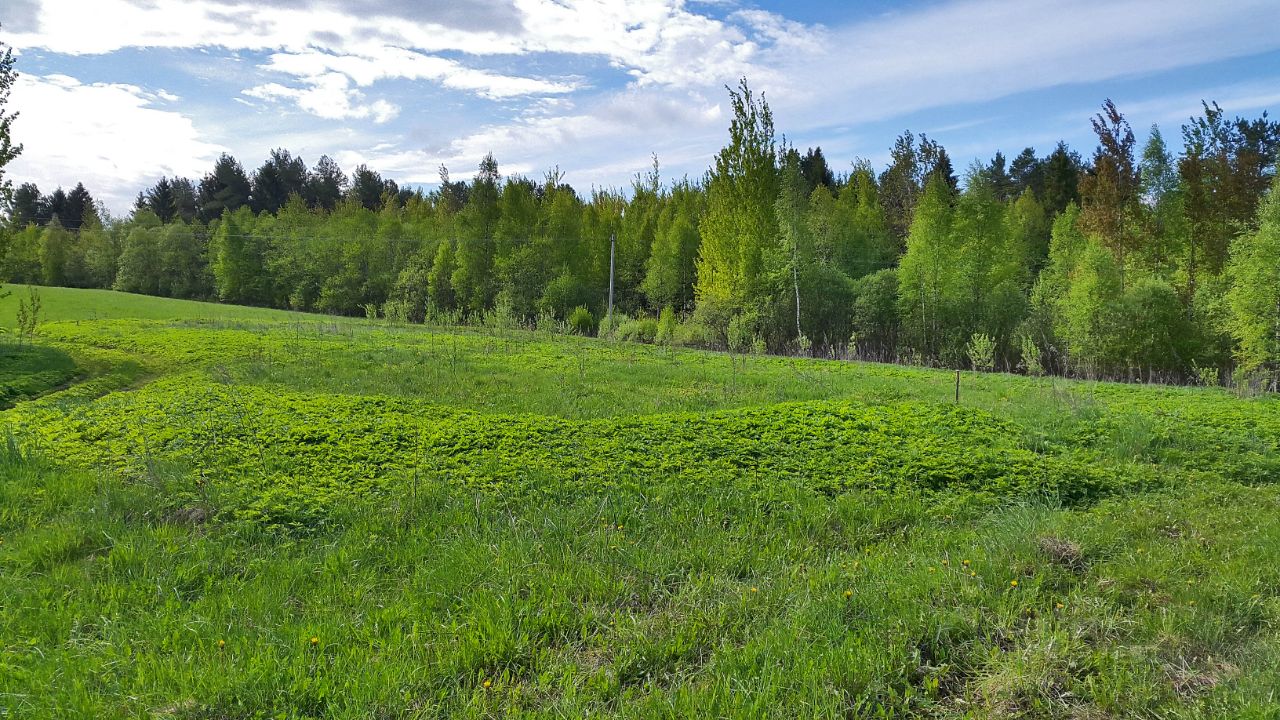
[(1150, 263)]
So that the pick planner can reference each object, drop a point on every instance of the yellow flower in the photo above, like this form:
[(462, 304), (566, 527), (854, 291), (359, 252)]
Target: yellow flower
[(848, 594), (966, 563), (222, 644), (973, 574), (488, 684), (946, 562), (1059, 605), (1013, 583), (315, 640), (755, 589)]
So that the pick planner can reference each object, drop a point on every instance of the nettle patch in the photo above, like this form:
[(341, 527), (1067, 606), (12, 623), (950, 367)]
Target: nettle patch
[(286, 458)]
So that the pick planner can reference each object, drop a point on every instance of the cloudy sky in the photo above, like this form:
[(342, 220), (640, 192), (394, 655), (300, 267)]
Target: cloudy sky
[(116, 93)]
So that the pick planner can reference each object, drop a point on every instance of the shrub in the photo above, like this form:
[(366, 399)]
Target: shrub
[(581, 321), (667, 326), (982, 352), (1030, 355), (740, 333), (643, 330)]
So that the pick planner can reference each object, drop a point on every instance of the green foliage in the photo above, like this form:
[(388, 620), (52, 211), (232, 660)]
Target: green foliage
[(981, 350), (474, 523), (1254, 297), (740, 227), (666, 328), (581, 321)]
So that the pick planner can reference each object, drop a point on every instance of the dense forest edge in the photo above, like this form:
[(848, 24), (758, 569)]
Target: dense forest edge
[(1133, 264)]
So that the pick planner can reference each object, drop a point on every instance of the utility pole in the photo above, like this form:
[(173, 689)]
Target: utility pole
[(613, 240)]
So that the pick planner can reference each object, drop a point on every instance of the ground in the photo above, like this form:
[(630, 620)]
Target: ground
[(218, 512)]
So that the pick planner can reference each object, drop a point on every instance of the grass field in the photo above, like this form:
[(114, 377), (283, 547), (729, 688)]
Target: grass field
[(219, 512)]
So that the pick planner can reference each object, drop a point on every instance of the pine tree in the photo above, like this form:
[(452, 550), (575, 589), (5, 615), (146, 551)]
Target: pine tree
[(225, 189), (325, 184)]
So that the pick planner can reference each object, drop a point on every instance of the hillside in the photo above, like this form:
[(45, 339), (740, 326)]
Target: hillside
[(211, 511)]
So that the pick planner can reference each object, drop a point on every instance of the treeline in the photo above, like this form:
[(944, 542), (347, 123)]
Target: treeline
[(1134, 263)]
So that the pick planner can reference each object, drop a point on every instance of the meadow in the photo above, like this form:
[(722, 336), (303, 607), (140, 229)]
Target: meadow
[(209, 511)]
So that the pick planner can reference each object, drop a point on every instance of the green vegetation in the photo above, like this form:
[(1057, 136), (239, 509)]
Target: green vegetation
[(238, 513), (1132, 264)]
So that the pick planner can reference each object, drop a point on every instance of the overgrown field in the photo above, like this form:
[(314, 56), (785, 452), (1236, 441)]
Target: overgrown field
[(219, 512)]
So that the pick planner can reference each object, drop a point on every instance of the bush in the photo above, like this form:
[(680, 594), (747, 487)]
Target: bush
[(1030, 355), (643, 330), (695, 333), (982, 352), (667, 326), (741, 333), (581, 321)]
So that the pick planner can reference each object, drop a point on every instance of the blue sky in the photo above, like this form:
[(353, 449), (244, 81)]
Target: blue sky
[(117, 93)]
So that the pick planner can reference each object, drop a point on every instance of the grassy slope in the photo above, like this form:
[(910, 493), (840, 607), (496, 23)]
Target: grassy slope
[(388, 493)]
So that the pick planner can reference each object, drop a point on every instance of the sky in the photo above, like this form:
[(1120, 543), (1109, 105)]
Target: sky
[(118, 93)]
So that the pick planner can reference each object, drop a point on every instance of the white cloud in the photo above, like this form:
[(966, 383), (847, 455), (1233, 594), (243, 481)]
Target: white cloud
[(328, 96), (107, 136)]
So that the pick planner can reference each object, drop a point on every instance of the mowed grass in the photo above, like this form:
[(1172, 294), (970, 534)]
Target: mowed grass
[(284, 516)]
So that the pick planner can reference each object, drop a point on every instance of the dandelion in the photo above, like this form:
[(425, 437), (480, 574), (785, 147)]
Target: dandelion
[(973, 574), (755, 589), (965, 563), (315, 640), (1013, 583), (1059, 605), (487, 684), (222, 644), (848, 594)]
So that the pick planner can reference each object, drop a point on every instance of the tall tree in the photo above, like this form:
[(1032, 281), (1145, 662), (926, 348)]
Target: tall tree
[(472, 279), (815, 171), (79, 206), (370, 189), (1109, 192), (8, 149), (226, 188), (926, 274), (742, 189), (160, 200), (1059, 177), (28, 207), (1254, 297), (325, 184), (281, 176)]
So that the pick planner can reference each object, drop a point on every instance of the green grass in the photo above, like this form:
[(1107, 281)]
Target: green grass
[(27, 371), (483, 523), (85, 304)]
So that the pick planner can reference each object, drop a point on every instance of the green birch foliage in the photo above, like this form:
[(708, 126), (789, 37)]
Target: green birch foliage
[(670, 269), (926, 280), (740, 223), (1254, 297)]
